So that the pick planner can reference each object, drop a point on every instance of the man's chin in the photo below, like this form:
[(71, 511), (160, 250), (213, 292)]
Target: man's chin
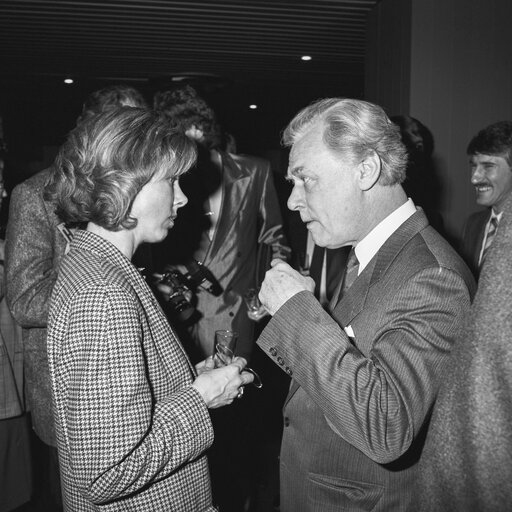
[(484, 201)]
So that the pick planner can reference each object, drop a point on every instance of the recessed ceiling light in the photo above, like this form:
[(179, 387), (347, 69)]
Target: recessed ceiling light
[(306, 57), (68, 80), (253, 106)]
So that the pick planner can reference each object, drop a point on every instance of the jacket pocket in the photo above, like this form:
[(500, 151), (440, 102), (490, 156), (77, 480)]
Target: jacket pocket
[(331, 494)]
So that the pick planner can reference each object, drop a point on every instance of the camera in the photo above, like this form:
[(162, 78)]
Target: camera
[(183, 287), (180, 297)]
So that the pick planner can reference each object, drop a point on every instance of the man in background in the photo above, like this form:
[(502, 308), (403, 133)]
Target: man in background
[(230, 227), (364, 377), (490, 161)]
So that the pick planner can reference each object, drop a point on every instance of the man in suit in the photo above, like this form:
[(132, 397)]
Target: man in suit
[(467, 466), (365, 376), (490, 161)]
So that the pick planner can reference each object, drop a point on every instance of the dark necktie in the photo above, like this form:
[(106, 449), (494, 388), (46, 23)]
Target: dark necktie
[(315, 270), (350, 272), (491, 233)]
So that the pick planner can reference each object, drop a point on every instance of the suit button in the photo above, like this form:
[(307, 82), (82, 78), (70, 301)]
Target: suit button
[(286, 421), (288, 371), (280, 360), (231, 313), (273, 351)]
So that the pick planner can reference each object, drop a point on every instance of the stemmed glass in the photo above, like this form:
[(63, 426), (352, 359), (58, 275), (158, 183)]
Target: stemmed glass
[(224, 351), (255, 309)]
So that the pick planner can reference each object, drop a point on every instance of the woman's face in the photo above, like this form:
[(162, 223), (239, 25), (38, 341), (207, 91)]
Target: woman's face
[(155, 207)]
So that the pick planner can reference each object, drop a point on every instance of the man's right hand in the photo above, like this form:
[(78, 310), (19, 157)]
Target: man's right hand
[(281, 283)]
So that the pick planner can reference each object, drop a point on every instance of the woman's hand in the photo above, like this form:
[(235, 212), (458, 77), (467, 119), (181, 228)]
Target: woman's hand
[(220, 386)]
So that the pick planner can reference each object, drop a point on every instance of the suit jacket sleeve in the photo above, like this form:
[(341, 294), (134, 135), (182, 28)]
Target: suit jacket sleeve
[(119, 439), (29, 254), (271, 231), (376, 401)]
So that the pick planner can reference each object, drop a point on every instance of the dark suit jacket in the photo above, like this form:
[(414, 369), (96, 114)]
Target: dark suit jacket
[(358, 404), (468, 454), (473, 238), (33, 251)]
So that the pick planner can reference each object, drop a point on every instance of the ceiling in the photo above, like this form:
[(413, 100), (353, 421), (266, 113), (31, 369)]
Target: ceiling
[(239, 52)]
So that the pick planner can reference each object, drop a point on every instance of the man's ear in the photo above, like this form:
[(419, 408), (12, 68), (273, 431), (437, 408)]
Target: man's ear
[(369, 171)]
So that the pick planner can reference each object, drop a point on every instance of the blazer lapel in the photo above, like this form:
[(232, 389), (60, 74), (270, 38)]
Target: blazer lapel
[(354, 300), (234, 182)]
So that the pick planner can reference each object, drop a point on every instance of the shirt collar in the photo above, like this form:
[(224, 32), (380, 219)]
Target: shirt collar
[(496, 215), (367, 248)]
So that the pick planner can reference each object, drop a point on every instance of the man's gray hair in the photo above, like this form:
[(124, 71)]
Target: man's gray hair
[(354, 129)]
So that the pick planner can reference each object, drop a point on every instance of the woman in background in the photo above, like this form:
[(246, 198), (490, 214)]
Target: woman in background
[(131, 413)]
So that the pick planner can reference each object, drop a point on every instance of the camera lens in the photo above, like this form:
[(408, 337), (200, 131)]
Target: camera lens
[(180, 306)]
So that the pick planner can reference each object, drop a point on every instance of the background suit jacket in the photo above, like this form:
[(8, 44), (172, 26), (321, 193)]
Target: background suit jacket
[(473, 238), (33, 250), (250, 220), (357, 405), (131, 429), (468, 453)]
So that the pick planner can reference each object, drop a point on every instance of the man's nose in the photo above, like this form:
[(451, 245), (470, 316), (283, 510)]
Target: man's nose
[(295, 201), (476, 174)]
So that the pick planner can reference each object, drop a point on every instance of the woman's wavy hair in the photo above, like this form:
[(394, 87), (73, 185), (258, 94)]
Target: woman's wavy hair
[(108, 158), (354, 129)]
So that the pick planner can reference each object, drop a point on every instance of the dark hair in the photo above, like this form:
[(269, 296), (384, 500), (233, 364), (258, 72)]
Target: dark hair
[(354, 128), (495, 139), (108, 158), (185, 108), (109, 98), (405, 123)]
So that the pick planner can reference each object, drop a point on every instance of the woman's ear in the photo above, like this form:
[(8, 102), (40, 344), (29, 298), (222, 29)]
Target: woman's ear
[(369, 171)]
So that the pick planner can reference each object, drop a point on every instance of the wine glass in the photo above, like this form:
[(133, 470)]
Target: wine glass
[(224, 352)]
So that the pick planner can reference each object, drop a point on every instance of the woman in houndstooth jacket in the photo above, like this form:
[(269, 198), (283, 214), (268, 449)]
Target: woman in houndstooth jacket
[(132, 416)]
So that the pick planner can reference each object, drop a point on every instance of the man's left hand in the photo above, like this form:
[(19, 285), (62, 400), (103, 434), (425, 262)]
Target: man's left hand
[(281, 283)]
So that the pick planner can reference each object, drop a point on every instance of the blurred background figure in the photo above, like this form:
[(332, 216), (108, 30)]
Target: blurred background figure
[(109, 98), (36, 240), (229, 231), (490, 161), (131, 413), (421, 183), (15, 463), (467, 461), (232, 216)]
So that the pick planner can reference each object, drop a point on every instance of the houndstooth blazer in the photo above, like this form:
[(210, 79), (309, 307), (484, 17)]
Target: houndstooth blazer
[(131, 431)]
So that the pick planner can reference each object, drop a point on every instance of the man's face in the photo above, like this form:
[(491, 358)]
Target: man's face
[(325, 190), (491, 176)]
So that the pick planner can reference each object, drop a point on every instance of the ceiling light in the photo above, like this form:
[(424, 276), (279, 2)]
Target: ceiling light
[(253, 106), (306, 57), (68, 80)]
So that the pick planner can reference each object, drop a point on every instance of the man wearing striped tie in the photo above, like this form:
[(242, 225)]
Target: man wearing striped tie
[(365, 372), (490, 161)]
